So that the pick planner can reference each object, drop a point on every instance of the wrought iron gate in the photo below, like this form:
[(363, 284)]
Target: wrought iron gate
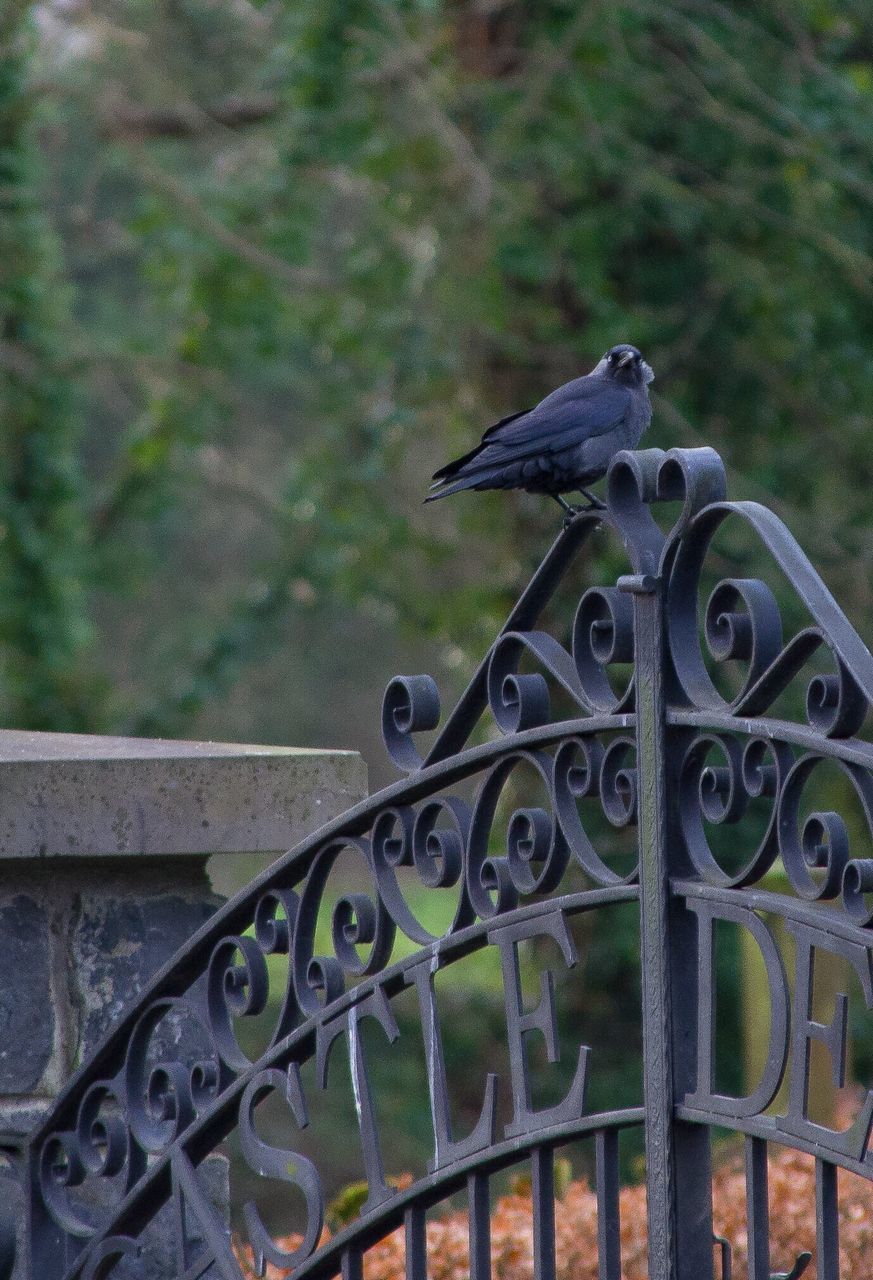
[(631, 720)]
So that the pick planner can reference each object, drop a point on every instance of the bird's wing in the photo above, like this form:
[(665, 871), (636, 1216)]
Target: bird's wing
[(574, 413), (580, 410), (510, 417), (451, 468)]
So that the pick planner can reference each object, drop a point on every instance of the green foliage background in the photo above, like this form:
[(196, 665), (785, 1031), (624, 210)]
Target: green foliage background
[(263, 266)]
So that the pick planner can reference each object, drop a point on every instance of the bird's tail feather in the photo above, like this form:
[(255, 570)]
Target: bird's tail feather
[(442, 490)]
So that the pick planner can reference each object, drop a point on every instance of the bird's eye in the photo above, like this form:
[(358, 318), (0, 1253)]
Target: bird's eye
[(611, 357)]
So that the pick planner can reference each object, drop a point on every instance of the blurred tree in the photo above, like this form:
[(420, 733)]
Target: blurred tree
[(44, 558), (317, 246)]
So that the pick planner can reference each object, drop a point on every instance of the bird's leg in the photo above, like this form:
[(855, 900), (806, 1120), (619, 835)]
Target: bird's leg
[(570, 513)]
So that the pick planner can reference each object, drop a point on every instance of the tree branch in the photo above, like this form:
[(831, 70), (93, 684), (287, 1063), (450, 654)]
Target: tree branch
[(134, 123), (299, 277)]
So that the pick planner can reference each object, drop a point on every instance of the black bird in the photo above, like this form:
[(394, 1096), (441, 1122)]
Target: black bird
[(567, 441)]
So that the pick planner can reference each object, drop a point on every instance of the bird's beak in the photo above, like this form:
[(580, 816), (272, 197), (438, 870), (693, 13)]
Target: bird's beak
[(625, 359)]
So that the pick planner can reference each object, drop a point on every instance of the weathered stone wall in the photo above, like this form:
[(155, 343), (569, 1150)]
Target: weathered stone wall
[(74, 950), (103, 851)]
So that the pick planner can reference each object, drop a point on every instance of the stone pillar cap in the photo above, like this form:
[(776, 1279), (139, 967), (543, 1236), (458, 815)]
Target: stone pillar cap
[(68, 795)]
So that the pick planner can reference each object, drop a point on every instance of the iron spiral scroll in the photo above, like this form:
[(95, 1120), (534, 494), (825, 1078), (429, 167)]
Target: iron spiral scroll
[(649, 737)]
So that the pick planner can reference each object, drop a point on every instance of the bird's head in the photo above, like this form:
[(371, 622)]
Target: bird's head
[(625, 364)]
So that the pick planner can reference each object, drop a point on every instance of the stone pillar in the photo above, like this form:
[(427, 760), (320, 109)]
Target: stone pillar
[(103, 851)]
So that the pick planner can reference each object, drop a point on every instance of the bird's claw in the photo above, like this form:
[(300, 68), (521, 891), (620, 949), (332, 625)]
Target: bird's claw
[(573, 512), (570, 513)]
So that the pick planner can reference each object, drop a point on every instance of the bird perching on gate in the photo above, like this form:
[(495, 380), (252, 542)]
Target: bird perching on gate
[(566, 442)]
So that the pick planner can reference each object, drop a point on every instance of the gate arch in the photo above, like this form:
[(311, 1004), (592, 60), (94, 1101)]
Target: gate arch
[(651, 737)]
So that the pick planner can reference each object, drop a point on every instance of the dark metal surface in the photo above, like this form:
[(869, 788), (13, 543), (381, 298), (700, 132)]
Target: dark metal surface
[(652, 741)]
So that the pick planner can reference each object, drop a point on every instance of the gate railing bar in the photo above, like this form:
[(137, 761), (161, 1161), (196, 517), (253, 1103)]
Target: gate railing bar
[(678, 1185), (827, 1229), (543, 1201), (654, 936), (757, 1209), (607, 1190), (479, 1212), (415, 1224), (677, 1159), (352, 1264)]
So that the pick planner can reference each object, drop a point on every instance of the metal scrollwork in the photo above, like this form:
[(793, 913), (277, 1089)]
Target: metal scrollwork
[(516, 817), (716, 794), (411, 705), (603, 635)]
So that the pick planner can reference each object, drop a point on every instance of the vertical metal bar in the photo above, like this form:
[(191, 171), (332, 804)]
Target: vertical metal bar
[(827, 1229), (352, 1264), (757, 1209), (543, 1197), (415, 1221), (677, 1156), (479, 1212), (606, 1185), (657, 1048)]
